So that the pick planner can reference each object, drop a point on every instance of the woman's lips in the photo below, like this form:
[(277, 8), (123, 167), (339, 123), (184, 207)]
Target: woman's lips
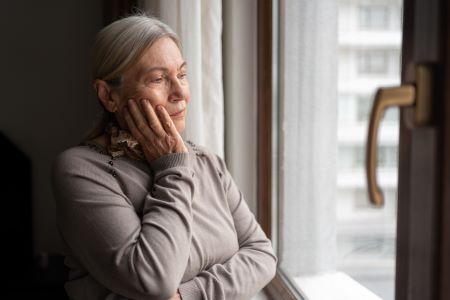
[(178, 114)]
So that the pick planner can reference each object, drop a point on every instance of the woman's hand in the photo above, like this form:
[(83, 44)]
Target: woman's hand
[(154, 131), (176, 297)]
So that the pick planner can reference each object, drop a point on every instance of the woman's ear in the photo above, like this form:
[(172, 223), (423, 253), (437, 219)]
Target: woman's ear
[(103, 91)]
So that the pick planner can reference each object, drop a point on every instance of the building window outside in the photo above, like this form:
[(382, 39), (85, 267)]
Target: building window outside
[(345, 109), (373, 17), (373, 62), (364, 105), (352, 157)]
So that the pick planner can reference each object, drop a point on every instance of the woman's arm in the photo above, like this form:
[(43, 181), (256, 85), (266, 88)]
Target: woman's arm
[(137, 257), (246, 272)]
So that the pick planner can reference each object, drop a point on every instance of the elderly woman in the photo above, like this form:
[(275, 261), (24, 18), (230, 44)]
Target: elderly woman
[(142, 214)]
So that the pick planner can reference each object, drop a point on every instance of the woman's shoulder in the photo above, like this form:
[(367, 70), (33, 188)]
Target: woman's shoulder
[(203, 152), (79, 158)]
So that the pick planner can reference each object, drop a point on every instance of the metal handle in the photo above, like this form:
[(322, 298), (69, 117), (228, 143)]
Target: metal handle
[(419, 96), (385, 98)]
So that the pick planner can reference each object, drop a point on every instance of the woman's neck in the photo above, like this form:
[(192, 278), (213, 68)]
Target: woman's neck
[(101, 140)]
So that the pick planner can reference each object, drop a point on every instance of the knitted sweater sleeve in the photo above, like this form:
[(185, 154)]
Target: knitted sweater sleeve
[(248, 270), (138, 257)]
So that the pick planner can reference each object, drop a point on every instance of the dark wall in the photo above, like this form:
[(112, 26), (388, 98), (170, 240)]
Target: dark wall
[(47, 101)]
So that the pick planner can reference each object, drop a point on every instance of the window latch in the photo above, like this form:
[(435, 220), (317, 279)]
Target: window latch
[(417, 95)]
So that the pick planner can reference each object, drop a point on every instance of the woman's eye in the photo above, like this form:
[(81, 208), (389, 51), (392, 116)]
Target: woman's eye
[(182, 76), (156, 80)]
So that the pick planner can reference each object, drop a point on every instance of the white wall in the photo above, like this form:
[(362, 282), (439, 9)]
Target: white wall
[(46, 98)]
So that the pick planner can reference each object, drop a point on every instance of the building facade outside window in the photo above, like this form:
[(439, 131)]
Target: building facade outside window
[(373, 16)]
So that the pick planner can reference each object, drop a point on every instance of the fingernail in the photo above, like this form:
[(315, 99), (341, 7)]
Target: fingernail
[(130, 101), (160, 107)]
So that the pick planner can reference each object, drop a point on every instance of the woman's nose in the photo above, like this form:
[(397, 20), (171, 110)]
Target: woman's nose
[(176, 90)]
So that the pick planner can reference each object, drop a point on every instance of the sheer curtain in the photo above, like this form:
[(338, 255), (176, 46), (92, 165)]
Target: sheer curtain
[(199, 26), (308, 87)]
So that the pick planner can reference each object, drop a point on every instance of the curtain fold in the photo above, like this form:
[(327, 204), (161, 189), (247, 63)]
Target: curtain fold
[(308, 85), (199, 26)]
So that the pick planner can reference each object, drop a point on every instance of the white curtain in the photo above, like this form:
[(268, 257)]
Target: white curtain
[(308, 86), (199, 26)]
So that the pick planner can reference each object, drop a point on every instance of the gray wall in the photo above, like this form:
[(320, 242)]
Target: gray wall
[(47, 101), (239, 68)]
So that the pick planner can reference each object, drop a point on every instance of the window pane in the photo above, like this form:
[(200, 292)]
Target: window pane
[(364, 106), (373, 16), (372, 61), (330, 67)]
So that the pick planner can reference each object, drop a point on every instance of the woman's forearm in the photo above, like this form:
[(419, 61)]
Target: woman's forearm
[(137, 258), (249, 269)]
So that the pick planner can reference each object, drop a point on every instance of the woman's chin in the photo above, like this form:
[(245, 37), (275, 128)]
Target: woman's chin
[(179, 125)]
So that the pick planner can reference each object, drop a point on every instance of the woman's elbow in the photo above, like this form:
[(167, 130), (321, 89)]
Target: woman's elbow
[(162, 290), (160, 285), (148, 283), (272, 267), (168, 290)]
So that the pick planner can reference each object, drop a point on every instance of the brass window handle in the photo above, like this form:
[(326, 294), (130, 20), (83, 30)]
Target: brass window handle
[(418, 95)]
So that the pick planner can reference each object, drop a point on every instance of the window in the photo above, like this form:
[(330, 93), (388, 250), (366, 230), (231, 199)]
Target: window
[(351, 157), (327, 233), (387, 157), (345, 107), (372, 62), (391, 115), (373, 17), (364, 105)]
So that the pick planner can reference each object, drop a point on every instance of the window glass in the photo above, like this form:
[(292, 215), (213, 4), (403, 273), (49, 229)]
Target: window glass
[(364, 104), (372, 61), (330, 67), (346, 108), (373, 16)]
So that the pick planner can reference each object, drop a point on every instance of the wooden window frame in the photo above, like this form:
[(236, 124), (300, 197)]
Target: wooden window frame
[(279, 287), (264, 122)]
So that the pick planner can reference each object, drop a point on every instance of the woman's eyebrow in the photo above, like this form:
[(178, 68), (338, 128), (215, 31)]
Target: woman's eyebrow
[(184, 64)]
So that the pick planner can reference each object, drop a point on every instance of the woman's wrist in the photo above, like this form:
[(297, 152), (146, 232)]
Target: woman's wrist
[(171, 160)]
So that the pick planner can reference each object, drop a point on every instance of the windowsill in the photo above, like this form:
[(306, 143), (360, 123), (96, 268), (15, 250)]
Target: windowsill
[(336, 286)]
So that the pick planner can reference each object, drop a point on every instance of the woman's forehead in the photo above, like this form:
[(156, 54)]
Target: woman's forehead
[(164, 52), (163, 55)]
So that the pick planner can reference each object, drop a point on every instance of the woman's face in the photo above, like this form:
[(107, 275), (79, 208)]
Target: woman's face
[(159, 76)]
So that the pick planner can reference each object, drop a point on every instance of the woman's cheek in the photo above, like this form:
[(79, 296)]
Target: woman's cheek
[(187, 94), (157, 98)]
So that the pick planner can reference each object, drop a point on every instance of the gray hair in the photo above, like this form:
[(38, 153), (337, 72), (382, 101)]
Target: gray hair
[(118, 47)]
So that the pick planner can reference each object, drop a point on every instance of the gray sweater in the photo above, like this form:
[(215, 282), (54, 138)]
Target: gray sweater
[(133, 230)]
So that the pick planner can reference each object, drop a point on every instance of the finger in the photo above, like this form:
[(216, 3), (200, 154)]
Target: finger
[(140, 121), (152, 118), (167, 122), (132, 126)]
